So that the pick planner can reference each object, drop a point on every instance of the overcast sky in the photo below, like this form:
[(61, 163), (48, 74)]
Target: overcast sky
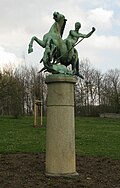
[(22, 19)]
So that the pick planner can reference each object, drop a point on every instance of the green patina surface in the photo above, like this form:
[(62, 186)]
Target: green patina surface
[(60, 53)]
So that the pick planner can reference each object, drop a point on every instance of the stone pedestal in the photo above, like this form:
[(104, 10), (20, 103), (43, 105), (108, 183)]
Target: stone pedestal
[(60, 136)]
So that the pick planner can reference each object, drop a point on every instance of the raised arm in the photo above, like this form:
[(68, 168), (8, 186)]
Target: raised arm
[(90, 33), (75, 34)]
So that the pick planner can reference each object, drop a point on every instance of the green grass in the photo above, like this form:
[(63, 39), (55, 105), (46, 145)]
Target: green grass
[(94, 136), (98, 137), (19, 135)]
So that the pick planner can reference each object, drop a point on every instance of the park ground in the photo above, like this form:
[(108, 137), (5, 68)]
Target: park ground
[(22, 154)]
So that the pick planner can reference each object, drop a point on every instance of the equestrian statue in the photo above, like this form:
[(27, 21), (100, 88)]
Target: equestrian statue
[(60, 53)]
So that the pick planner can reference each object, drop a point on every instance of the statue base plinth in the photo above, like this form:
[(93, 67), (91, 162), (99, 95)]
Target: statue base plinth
[(60, 135)]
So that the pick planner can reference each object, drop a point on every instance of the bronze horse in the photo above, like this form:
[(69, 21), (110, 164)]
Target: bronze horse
[(56, 50)]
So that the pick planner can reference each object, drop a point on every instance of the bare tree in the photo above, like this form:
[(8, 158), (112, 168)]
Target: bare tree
[(111, 90)]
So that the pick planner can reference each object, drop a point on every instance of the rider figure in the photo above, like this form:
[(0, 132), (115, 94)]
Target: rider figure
[(73, 37)]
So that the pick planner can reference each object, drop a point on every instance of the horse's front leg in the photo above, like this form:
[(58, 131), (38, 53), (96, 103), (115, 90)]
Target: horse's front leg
[(30, 49), (40, 42)]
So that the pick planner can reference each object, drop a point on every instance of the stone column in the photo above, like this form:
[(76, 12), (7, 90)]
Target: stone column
[(60, 136)]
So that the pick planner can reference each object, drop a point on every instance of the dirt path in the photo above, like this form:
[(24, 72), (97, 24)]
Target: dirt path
[(27, 171)]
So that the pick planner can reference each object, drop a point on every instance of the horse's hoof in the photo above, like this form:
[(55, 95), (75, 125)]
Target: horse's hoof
[(78, 74), (30, 50)]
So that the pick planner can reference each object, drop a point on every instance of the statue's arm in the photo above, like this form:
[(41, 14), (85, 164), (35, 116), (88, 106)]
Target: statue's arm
[(89, 34), (83, 35)]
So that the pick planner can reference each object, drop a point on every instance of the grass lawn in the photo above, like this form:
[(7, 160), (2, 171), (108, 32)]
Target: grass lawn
[(94, 136), (98, 137), (19, 135)]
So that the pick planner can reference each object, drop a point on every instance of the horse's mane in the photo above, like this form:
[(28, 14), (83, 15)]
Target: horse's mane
[(62, 29)]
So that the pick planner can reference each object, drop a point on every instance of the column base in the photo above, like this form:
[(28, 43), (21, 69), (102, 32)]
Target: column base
[(62, 174)]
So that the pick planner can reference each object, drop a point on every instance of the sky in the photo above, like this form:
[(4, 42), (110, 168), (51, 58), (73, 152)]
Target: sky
[(22, 19)]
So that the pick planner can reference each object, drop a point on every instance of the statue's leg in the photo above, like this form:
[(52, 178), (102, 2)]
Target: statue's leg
[(77, 69), (47, 59), (50, 48), (74, 64), (74, 60), (68, 44), (69, 50)]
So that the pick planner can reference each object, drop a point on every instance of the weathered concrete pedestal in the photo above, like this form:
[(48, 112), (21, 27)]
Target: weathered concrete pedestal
[(60, 136)]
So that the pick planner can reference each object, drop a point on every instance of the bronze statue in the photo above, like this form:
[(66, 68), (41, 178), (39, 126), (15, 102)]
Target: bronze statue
[(73, 37), (60, 53)]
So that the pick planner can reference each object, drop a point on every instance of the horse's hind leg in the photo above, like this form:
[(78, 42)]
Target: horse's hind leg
[(73, 68), (77, 66)]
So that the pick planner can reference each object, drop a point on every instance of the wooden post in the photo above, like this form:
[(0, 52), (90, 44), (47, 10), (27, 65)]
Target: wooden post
[(36, 104), (35, 113), (41, 114)]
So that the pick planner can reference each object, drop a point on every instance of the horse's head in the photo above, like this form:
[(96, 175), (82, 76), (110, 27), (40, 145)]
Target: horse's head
[(61, 21), (58, 17)]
